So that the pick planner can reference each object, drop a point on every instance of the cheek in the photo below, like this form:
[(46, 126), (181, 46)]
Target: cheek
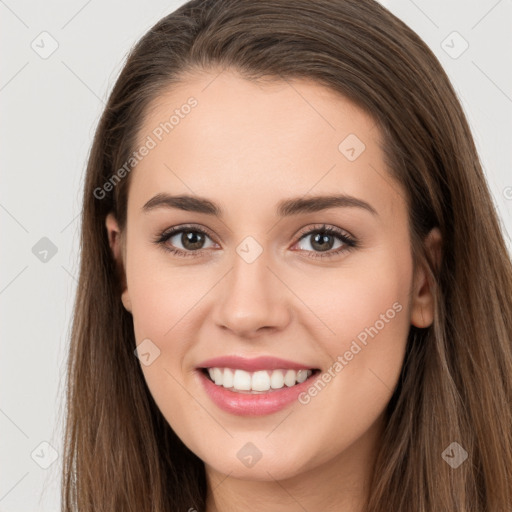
[(367, 308), (370, 291), (162, 295)]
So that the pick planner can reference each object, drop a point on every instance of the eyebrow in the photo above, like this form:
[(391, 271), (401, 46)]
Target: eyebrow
[(285, 208)]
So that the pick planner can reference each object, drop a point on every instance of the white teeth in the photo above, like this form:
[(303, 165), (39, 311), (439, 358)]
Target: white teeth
[(277, 380), (259, 381), (290, 377), (302, 375), (218, 376), (241, 380), (227, 380)]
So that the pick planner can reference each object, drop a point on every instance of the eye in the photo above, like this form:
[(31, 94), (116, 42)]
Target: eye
[(322, 239), (191, 238)]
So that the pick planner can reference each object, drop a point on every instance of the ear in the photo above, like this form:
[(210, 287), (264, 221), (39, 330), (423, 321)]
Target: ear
[(116, 242), (422, 303)]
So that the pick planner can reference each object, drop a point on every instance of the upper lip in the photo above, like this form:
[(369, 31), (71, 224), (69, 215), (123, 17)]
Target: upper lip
[(252, 364)]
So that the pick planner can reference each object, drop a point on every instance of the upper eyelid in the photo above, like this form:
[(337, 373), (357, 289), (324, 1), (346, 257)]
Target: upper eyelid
[(187, 227), (327, 227)]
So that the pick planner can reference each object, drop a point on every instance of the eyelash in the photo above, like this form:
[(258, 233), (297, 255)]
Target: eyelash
[(350, 243)]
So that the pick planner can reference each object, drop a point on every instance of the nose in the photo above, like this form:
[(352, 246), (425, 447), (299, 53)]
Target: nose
[(252, 300)]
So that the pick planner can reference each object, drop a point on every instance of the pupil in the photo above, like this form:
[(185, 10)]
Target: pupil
[(192, 240), (321, 241)]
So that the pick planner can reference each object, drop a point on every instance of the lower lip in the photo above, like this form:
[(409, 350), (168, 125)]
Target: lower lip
[(246, 404)]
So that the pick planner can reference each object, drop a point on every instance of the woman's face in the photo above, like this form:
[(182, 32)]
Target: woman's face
[(262, 167)]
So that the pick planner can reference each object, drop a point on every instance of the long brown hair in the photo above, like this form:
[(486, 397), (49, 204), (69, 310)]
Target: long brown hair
[(456, 381)]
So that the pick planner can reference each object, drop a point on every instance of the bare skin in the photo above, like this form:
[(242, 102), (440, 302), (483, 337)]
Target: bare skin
[(246, 147)]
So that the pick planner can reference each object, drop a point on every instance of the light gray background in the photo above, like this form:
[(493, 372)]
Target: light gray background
[(49, 110)]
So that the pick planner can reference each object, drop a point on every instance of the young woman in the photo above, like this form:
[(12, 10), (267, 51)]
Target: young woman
[(294, 292)]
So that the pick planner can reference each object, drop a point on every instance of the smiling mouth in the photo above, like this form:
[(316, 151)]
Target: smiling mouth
[(261, 381)]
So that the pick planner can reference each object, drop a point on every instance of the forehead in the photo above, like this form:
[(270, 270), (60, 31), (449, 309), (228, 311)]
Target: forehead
[(218, 134), (298, 107)]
